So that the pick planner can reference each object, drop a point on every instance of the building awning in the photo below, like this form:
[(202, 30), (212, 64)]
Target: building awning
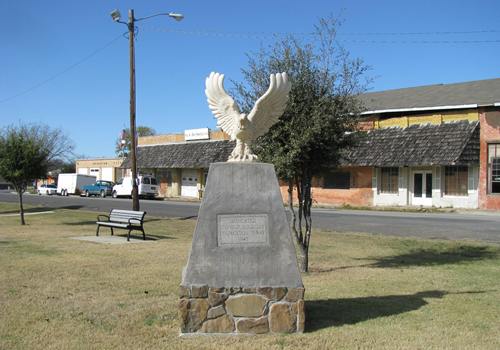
[(417, 145), (182, 155)]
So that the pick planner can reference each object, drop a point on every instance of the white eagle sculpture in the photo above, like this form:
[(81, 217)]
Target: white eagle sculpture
[(242, 127)]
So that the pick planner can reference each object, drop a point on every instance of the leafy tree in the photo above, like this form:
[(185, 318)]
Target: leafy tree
[(68, 167), (320, 115), (59, 166), (124, 141), (26, 152)]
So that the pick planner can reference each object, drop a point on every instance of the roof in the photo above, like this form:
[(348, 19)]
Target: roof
[(182, 155), (441, 96), (445, 144)]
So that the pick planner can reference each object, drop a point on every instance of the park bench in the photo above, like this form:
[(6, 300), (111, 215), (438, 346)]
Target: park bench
[(125, 219)]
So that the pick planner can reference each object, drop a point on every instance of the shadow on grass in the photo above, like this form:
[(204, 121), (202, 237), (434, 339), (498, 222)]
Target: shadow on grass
[(436, 256), (41, 209), (152, 220), (348, 311), (188, 217), (425, 257), (68, 207), (149, 237), (93, 222)]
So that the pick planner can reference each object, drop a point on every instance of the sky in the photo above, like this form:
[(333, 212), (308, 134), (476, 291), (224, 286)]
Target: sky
[(66, 63)]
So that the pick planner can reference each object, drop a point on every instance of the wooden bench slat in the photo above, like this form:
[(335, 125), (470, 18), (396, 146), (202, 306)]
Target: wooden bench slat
[(119, 215), (114, 224), (128, 213)]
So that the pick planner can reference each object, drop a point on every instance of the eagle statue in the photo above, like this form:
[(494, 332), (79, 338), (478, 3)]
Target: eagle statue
[(245, 128)]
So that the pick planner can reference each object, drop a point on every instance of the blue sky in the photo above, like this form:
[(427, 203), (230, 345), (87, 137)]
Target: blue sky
[(47, 75)]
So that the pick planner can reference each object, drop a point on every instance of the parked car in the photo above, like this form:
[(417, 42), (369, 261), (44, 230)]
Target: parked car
[(147, 187), (99, 188), (72, 183), (47, 189)]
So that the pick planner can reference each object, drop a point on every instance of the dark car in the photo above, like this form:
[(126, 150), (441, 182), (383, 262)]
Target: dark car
[(99, 188)]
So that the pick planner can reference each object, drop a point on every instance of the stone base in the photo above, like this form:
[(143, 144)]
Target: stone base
[(241, 310)]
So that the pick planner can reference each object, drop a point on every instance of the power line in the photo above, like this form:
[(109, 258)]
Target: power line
[(421, 41), (486, 31), (67, 69), (262, 35)]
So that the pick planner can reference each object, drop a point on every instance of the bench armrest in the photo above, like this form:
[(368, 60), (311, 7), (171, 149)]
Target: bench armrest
[(134, 221), (102, 216)]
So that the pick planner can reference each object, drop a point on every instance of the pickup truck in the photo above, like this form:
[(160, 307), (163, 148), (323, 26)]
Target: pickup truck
[(99, 188)]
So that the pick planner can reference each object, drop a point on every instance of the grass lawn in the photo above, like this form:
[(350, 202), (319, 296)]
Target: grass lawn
[(363, 291)]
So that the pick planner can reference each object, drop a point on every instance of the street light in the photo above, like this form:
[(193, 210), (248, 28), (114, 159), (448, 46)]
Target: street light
[(116, 16)]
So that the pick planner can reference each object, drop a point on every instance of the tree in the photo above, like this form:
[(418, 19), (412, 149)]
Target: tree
[(320, 116), (26, 152), (63, 166), (124, 141)]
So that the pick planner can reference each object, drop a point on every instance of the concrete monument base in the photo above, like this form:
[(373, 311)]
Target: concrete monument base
[(242, 275)]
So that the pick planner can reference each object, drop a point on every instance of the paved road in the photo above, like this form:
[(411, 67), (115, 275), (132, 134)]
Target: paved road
[(426, 225)]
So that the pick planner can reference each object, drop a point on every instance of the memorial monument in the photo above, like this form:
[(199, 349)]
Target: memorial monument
[(242, 276)]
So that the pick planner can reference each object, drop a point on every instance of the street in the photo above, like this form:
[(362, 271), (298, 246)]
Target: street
[(476, 226)]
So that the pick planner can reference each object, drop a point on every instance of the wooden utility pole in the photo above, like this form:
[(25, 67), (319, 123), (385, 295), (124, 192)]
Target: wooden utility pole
[(116, 16), (133, 135)]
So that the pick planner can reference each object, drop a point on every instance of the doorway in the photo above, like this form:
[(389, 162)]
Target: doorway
[(422, 188), (189, 183)]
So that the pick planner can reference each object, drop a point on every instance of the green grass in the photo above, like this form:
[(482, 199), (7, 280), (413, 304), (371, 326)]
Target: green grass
[(363, 291)]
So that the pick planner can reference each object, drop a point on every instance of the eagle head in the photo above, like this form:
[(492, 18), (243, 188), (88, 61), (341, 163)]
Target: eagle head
[(243, 127)]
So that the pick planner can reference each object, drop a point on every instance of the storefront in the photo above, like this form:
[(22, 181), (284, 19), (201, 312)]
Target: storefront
[(108, 169), (180, 162)]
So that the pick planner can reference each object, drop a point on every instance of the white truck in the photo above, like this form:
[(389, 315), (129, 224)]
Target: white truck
[(147, 187), (72, 183)]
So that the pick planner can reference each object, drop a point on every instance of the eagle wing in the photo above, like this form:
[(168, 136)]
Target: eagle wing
[(270, 106), (222, 105)]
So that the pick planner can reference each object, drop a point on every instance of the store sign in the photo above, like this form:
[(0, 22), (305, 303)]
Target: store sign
[(197, 134)]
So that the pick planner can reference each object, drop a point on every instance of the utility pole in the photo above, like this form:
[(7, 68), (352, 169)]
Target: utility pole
[(115, 15), (131, 32)]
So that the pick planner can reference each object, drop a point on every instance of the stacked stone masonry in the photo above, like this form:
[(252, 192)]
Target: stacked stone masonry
[(241, 310)]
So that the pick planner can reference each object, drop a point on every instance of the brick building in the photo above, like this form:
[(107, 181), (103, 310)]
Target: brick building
[(436, 145)]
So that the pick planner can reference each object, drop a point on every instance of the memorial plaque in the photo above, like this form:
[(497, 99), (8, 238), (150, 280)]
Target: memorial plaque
[(242, 230)]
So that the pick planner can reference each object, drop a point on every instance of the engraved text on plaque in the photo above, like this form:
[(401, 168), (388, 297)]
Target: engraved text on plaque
[(242, 230)]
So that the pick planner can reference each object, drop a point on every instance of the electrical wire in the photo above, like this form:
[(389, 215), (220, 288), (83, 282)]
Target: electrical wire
[(421, 41), (260, 35), (263, 35), (486, 31), (67, 69)]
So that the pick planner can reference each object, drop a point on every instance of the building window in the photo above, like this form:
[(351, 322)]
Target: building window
[(337, 180), (389, 180), (494, 168), (455, 180)]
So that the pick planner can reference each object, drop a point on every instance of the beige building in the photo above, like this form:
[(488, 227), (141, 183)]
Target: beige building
[(180, 162), (102, 168)]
